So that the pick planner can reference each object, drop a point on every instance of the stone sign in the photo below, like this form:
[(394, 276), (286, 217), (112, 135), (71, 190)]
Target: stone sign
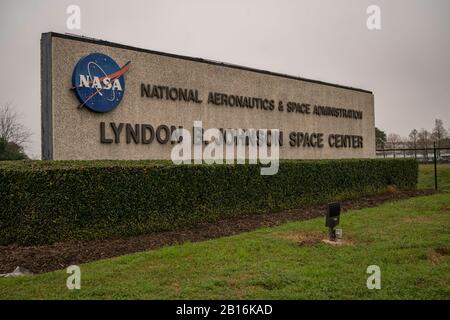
[(103, 100)]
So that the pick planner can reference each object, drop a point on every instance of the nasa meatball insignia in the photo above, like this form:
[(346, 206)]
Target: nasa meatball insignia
[(98, 82)]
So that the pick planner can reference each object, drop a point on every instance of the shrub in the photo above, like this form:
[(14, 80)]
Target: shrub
[(11, 151), (48, 201)]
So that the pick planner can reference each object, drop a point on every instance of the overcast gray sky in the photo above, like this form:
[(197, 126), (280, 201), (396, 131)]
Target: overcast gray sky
[(406, 63)]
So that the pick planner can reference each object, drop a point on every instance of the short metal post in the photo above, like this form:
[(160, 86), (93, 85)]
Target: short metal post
[(435, 167), (332, 234)]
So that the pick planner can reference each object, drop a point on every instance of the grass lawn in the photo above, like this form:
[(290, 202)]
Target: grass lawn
[(409, 240), (426, 176)]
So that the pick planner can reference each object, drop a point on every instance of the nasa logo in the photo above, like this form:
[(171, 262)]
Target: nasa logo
[(99, 82)]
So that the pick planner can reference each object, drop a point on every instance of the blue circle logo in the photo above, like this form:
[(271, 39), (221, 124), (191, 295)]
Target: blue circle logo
[(98, 82)]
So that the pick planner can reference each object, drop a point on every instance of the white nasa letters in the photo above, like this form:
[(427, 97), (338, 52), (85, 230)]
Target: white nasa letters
[(96, 83)]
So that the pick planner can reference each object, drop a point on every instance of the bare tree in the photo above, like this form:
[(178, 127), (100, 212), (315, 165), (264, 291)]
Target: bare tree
[(423, 138), (439, 132), (11, 130), (413, 138), (394, 139)]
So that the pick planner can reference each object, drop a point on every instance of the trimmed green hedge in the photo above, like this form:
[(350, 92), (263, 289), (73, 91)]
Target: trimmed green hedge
[(48, 201)]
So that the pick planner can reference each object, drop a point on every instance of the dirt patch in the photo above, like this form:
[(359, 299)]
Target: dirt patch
[(338, 243), (311, 238), (419, 219), (437, 255), (443, 251), (46, 258), (392, 189), (236, 282), (303, 238)]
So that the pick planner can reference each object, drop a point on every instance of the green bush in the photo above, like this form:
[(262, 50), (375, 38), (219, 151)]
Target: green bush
[(48, 201), (11, 151)]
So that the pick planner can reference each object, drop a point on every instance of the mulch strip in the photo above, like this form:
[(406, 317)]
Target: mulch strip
[(60, 255)]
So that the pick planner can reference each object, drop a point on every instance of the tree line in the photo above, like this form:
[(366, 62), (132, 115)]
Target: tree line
[(417, 139)]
